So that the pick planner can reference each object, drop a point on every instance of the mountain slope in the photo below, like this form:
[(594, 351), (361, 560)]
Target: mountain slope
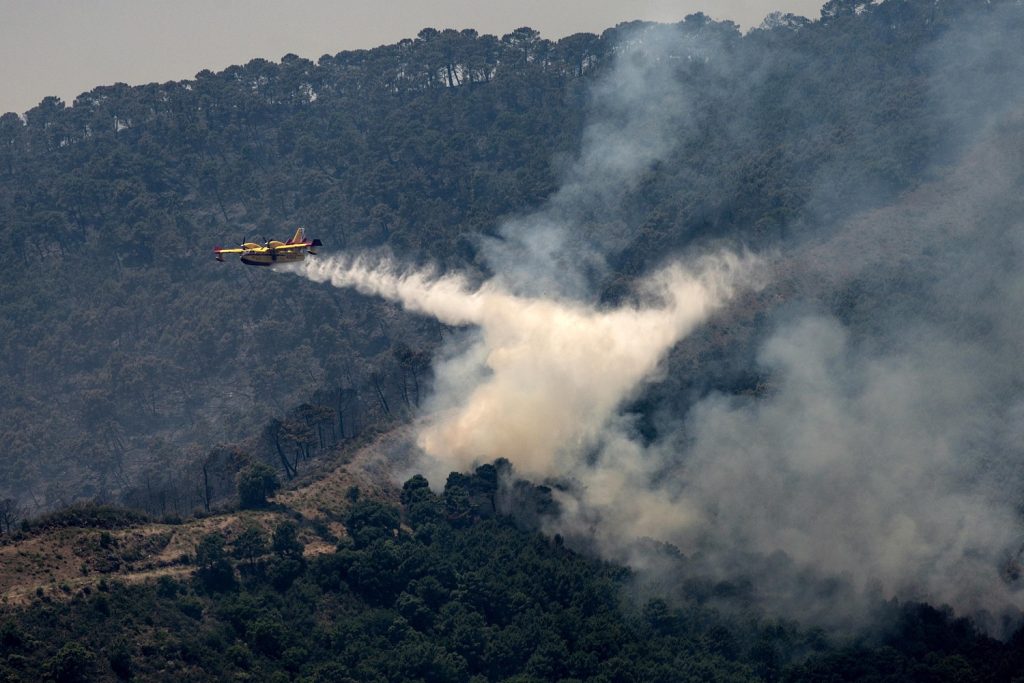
[(123, 342)]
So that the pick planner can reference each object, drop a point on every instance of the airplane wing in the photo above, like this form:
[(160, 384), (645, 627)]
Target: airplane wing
[(290, 247), (220, 251), (299, 245)]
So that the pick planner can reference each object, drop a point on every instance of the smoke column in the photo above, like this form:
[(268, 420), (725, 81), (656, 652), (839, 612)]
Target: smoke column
[(887, 451)]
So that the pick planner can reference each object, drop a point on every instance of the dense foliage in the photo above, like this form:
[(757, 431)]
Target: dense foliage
[(130, 357), (448, 590), (126, 348)]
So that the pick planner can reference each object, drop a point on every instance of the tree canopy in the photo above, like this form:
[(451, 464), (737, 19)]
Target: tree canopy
[(467, 597), (125, 344)]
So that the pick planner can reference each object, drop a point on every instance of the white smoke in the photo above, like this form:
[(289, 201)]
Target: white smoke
[(542, 380)]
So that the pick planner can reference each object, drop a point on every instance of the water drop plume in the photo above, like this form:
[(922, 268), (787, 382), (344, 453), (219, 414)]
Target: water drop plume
[(542, 378)]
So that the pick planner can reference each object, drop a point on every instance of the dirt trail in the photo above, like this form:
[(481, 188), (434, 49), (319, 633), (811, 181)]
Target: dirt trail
[(62, 562)]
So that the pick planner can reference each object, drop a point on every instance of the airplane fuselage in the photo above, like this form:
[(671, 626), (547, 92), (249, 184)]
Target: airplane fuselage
[(270, 258)]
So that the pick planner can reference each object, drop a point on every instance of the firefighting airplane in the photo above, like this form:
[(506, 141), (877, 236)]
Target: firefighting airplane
[(272, 252)]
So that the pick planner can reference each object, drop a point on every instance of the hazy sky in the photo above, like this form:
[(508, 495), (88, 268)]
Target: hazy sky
[(66, 47)]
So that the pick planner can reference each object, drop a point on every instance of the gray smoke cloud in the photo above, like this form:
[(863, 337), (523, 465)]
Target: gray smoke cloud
[(639, 114), (887, 449)]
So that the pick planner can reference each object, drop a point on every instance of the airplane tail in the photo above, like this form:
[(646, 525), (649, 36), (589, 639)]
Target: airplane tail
[(299, 236)]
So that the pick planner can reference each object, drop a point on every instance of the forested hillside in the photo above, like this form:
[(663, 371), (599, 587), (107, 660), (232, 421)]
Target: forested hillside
[(717, 330), (126, 347), (446, 590)]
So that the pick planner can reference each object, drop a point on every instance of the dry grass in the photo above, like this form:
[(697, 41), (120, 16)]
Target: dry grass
[(61, 562)]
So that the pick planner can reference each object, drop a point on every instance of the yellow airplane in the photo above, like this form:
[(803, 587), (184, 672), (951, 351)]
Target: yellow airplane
[(273, 252)]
